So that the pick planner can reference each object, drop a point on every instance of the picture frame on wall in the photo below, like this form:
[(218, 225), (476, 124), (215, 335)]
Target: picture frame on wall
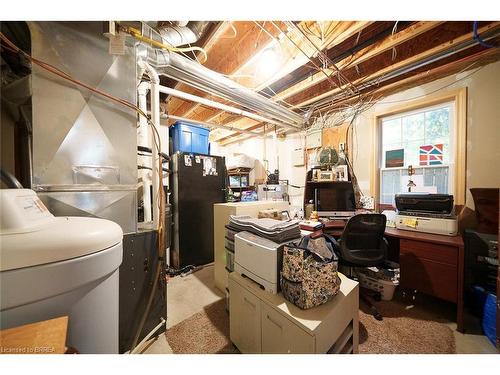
[(395, 158)]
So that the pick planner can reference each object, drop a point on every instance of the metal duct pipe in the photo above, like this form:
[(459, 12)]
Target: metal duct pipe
[(224, 107), (208, 124), (195, 75), (183, 33)]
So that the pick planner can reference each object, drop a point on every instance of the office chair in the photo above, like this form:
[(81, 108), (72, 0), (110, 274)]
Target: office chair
[(362, 244)]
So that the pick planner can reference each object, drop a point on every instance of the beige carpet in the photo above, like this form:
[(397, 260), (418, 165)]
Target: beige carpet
[(205, 332), (402, 331)]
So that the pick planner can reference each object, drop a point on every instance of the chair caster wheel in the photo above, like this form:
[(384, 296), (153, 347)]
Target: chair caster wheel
[(378, 316)]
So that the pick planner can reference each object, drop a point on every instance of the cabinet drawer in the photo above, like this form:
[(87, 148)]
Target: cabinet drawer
[(281, 336), (431, 251), (428, 276), (244, 319)]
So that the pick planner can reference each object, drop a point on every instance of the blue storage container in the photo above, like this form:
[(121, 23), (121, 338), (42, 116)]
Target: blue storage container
[(489, 322), (187, 137)]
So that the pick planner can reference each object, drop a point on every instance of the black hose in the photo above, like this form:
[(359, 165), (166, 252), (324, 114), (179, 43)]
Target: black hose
[(9, 180), (148, 150)]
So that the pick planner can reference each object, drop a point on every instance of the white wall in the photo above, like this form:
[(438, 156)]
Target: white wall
[(483, 135), (274, 149)]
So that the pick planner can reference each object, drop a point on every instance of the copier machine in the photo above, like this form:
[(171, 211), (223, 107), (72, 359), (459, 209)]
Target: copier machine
[(259, 259)]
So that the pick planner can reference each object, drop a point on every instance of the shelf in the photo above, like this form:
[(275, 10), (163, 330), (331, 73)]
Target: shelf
[(329, 182), (241, 187)]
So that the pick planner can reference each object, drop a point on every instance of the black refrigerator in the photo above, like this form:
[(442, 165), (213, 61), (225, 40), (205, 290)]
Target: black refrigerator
[(197, 182)]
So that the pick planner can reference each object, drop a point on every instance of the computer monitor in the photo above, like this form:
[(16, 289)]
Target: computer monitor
[(335, 200)]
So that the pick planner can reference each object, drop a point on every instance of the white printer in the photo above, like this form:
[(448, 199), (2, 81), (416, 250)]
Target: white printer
[(258, 259), (420, 223)]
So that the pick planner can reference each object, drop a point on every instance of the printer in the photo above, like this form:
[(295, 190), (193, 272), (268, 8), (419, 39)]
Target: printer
[(428, 213), (259, 259)]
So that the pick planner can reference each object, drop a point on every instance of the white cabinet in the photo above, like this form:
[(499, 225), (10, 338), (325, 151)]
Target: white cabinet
[(261, 322), (280, 335), (247, 327)]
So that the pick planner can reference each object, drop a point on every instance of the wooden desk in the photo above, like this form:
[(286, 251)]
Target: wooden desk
[(47, 337), (430, 263)]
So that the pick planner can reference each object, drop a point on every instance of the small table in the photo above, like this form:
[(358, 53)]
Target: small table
[(46, 337)]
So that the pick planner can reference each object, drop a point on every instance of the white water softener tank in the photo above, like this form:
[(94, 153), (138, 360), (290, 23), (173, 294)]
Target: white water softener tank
[(55, 266)]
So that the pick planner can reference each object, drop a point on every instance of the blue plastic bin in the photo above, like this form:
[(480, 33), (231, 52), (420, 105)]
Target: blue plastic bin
[(489, 322), (187, 137)]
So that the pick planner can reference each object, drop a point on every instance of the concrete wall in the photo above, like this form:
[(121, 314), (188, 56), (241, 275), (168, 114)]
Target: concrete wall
[(483, 135)]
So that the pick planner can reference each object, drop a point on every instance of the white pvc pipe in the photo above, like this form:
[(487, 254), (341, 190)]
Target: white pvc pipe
[(224, 107), (155, 119), (144, 139)]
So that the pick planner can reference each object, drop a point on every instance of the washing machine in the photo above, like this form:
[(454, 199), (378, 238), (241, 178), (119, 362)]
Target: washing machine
[(55, 266)]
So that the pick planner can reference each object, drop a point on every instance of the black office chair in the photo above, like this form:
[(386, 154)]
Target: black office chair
[(362, 244)]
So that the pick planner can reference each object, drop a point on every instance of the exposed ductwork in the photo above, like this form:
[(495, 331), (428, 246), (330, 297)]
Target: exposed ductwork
[(195, 75), (181, 33)]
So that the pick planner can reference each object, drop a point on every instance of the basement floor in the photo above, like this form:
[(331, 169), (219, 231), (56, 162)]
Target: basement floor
[(190, 294)]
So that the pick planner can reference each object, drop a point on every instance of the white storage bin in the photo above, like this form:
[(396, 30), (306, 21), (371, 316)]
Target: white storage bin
[(385, 287), (229, 244), (229, 260), (230, 233)]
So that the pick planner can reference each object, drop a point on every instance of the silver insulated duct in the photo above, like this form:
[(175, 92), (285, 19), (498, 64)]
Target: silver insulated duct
[(182, 33), (195, 75)]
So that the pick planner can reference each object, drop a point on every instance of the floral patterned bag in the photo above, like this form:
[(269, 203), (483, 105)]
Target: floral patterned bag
[(309, 274)]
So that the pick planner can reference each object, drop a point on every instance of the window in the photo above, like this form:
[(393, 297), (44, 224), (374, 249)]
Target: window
[(424, 139)]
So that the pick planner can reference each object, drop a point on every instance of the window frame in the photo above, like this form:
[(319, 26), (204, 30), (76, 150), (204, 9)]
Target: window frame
[(459, 123)]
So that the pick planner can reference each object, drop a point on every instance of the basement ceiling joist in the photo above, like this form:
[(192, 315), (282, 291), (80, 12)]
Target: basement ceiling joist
[(427, 41), (230, 50), (478, 59), (290, 46), (290, 61)]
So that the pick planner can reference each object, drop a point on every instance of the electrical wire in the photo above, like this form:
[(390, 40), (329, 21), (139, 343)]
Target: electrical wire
[(478, 39)]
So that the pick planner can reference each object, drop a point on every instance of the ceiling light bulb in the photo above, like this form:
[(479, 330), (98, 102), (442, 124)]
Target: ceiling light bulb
[(269, 61)]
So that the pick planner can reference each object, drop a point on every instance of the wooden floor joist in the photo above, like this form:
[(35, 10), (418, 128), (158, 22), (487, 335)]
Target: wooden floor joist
[(345, 31), (426, 54), (226, 56), (363, 55)]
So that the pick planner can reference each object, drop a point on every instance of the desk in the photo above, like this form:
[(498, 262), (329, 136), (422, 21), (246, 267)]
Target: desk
[(430, 263)]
